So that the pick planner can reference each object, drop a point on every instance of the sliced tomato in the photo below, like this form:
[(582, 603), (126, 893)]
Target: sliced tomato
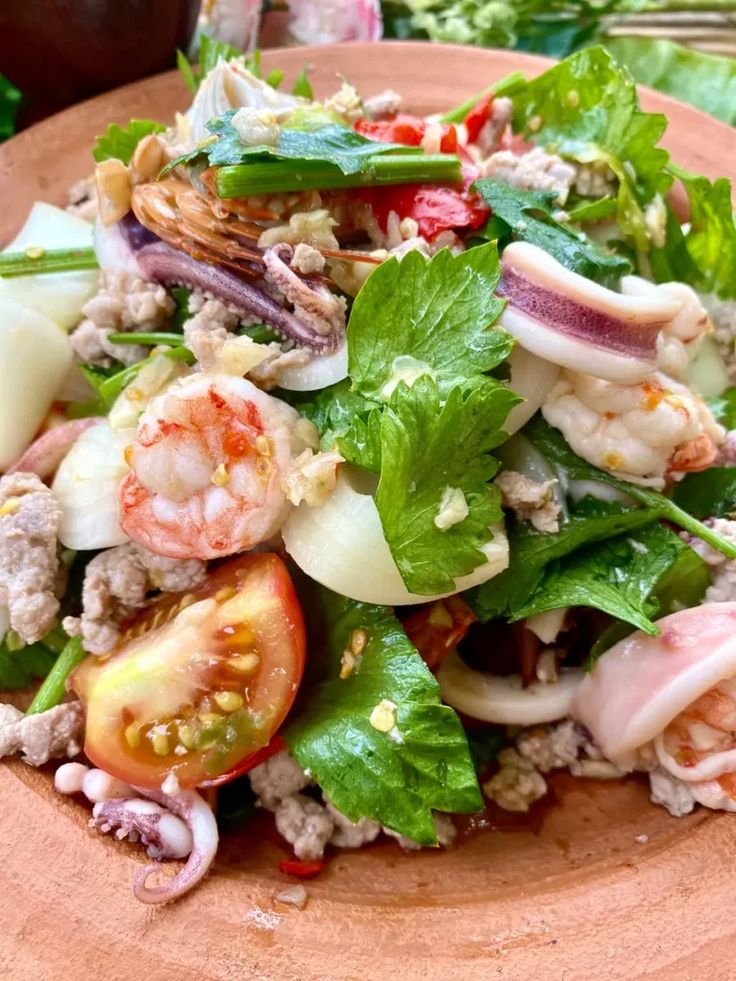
[(405, 129), (250, 762), (435, 629), (201, 681)]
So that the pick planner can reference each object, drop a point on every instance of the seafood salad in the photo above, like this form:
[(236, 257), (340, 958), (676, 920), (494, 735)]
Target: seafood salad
[(365, 468)]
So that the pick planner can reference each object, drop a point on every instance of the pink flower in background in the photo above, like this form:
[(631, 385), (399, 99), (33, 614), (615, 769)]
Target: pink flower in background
[(329, 21), (235, 21)]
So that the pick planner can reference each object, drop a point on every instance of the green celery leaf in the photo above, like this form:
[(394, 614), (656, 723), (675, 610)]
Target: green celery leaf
[(333, 410), (331, 142), (587, 108), (530, 216), (703, 80), (437, 312), (427, 448), (723, 407), (396, 778), (302, 86), (9, 102), (531, 552), (19, 669), (120, 143), (181, 296), (185, 67), (616, 576), (711, 238), (711, 493), (587, 210), (681, 587), (211, 51)]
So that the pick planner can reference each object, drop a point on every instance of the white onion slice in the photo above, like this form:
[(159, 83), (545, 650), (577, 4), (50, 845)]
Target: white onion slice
[(707, 374), (34, 359), (86, 486), (113, 252), (60, 296), (320, 372), (502, 699), (341, 544), (532, 378)]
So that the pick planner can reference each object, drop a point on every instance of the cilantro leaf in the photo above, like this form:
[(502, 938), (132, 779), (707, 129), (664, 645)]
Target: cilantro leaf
[(120, 143), (19, 669), (616, 576), (587, 107), (531, 552), (330, 142), (397, 778), (529, 216), (711, 493), (428, 447), (437, 312)]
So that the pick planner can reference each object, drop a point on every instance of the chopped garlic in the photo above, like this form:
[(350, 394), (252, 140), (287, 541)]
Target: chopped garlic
[(383, 716), (655, 219), (453, 508), (257, 127)]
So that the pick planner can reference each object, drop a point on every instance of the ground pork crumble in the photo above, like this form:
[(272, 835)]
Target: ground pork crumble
[(29, 564), (44, 736), (124, 304), (117, 582), (530, 500), (310, 825)]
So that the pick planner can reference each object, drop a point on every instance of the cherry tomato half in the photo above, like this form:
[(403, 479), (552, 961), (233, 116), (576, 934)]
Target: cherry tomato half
[(478, 117), (405, 129), (199, 681), (437, 628)]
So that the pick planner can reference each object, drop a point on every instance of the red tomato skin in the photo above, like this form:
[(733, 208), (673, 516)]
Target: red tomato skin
[(478, 117), (302, 870), (405, 129), (106, 747), (435, 629)]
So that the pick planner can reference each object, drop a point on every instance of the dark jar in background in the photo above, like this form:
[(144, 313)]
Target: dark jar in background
[(61, 51)]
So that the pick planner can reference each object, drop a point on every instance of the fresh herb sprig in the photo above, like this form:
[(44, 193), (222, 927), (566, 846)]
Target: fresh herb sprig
[(35, 261)]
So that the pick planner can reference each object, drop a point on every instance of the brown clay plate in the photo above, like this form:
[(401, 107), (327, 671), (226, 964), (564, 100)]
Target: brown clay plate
[(570, 894)]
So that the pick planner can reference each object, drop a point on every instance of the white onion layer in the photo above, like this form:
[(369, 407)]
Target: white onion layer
[(341, 544), (86, 485), (35, 356), (532, 378), (320, 371), (502, 699), (60, 296)]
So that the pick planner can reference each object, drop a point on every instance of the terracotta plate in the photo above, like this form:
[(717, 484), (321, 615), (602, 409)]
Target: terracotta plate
[(603, 885)]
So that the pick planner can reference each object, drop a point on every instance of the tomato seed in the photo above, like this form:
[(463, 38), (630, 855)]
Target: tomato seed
[(229, 701)]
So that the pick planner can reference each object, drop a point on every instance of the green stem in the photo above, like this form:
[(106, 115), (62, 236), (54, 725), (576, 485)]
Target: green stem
[(53, 689), (686, 521), (33, 261), (173, 340), (505, 86), (280, 176)]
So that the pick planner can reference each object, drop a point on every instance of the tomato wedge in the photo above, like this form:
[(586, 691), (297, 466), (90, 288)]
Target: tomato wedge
[(406, 129), (200, 681)]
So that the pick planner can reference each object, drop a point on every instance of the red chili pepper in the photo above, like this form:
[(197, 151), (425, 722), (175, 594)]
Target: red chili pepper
[(405, 129), (255, 759), (302, 870), (478, 117), (436, 628)]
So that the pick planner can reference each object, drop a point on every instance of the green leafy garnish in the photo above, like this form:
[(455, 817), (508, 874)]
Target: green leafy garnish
[(53, 689), (120, 143), (723, 407), (9, 102), (437, 312), (616, 576), (398, 777), (302, 86), (349, 151), (109, 383), (703, 80), (587, 109), (529, 216), (429, 450), (20, 668), (711, 493), (36, 261)]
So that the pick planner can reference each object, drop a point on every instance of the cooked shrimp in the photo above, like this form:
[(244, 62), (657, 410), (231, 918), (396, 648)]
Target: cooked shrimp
[(206, 469), (639, 432)]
